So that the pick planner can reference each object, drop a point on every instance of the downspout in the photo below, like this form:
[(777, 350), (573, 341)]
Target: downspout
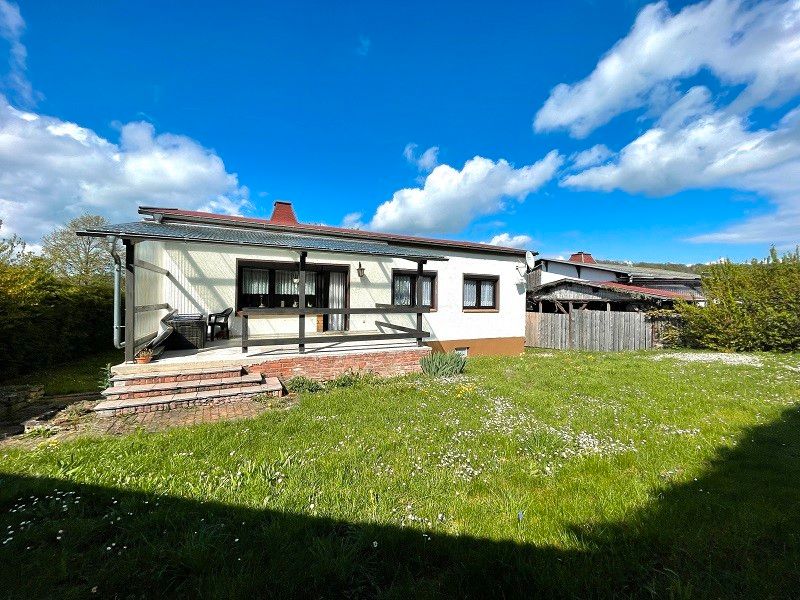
[(118, 341)]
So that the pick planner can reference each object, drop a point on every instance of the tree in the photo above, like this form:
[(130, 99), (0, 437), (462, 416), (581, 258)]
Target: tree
[(13, 250), (82, 258)]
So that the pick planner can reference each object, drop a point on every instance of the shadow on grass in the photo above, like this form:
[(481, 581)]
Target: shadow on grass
[(731, 533)]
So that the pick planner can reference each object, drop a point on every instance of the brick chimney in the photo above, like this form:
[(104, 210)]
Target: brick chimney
[(582, 257), (283, 214)]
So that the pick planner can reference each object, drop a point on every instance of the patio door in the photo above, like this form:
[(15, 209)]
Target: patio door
[(337, 284)]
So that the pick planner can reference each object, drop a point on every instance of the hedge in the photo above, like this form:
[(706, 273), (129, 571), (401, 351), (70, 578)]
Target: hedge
[(749, 307), (47, 320)]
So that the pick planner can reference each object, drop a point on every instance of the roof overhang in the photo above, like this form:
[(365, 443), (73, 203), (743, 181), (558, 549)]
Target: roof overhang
[(611, 286), (231, 236), (176, 215)]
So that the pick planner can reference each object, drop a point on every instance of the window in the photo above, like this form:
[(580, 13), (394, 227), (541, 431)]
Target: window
[(404, 288), (276, 285), (480, 292)]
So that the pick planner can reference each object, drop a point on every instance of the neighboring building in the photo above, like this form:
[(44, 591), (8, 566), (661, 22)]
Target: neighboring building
[(472, 295), (583, 266), (565, 294), (583, 304)]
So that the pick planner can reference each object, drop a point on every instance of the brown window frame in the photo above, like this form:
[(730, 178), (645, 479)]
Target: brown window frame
[(479, 278), (272, 266), (434, 275)]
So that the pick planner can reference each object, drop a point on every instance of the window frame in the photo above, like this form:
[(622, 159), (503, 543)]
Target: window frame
[(479, 278), (272, 266), (434, 275)]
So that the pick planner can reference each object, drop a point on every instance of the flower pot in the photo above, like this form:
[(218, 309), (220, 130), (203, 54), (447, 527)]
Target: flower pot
[(143, 360)]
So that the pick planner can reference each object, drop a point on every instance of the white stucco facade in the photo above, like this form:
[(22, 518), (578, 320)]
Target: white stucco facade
[(202, 279)]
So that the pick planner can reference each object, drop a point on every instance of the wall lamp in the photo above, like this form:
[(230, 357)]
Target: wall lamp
[(360, 270)]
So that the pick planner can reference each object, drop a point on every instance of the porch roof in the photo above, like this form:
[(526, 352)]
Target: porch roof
[(151, 230)]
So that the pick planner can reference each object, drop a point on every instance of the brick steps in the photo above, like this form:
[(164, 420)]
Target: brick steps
[(271, 387), (146, 390), (175, 375), (165, 390)]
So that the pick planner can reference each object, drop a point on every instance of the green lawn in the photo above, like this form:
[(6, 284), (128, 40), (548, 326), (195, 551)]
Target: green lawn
[(560, 474), (71, 378)]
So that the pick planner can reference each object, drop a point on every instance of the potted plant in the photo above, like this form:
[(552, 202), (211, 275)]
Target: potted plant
[(144, 356)]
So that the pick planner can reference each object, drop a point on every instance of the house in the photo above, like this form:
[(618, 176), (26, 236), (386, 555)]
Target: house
[(582, 266), (312, 299), (583, 304)]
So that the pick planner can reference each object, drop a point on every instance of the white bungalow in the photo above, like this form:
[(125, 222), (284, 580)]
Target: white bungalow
[(311, 299)]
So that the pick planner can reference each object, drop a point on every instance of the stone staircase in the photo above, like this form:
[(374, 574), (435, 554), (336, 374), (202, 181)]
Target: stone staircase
[(165, 390)]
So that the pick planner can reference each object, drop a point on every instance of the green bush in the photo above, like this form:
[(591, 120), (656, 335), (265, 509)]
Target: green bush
[(349, 379), (749, 307), (48, 320), (443, 364), (300, 384)]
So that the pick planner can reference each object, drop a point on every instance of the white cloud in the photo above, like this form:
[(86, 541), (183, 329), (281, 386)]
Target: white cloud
[(595, 155), (12, 26), (426, 161), (753, 44), (364, 45), (353, 220), (450, 199), (511, 241), (52, 170), (714, 149)]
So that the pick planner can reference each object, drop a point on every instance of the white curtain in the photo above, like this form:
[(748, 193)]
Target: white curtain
[(285, 283), (427, 290), (255, 281), (336, 294), (402, 290), (487, 293), (470, 292)]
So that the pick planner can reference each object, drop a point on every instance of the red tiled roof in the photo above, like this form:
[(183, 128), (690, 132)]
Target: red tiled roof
[(283, 223), (582, 257), (642, 290)]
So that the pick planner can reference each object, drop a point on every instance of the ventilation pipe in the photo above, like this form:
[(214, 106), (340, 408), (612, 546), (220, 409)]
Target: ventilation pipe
[(118, 341)]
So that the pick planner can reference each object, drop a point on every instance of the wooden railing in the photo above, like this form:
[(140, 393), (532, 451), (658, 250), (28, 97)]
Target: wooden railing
[(301, 339)]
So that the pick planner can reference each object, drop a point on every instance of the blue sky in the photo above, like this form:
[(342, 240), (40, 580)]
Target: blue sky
[(230, 107)]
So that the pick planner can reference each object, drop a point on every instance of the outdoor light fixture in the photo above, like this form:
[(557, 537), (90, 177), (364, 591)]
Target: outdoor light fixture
[(360, 270)]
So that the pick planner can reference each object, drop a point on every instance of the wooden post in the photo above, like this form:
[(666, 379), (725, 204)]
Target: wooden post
[(245, 332), (540, 306), (301, 290), (419, 299), (608, 306), (130, 302), (569, 325)]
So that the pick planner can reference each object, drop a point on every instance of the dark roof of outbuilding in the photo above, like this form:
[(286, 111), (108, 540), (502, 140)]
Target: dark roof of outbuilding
[(629, 270), (256, 237), (631, 290)]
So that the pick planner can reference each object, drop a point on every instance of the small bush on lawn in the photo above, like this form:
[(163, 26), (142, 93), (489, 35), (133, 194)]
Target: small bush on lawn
[(443, 364), (300, 384)]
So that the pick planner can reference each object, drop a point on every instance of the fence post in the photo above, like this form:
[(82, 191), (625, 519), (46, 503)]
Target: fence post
[(245, 324)]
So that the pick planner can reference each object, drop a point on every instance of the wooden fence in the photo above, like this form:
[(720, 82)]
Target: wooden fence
[(593, 330)]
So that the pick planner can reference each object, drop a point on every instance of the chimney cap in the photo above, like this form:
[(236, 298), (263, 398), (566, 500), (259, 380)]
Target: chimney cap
[(582, 257), (283, 213)]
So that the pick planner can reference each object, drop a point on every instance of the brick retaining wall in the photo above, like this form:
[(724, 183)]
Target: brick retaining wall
[(325, 367)]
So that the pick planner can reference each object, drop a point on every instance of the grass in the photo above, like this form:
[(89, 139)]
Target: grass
[(555, 474), (80, 376)]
